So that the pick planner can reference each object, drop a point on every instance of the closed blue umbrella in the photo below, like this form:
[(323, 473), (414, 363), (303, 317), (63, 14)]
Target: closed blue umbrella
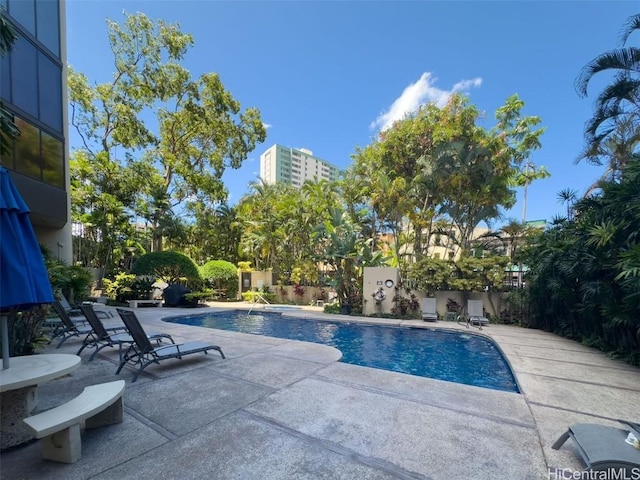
[(24, 282)]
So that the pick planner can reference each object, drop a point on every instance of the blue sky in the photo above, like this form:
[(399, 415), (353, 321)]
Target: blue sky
[(328, 75)]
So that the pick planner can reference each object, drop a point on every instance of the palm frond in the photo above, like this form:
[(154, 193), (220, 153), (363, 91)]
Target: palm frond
[(621, 60), (631, 25)]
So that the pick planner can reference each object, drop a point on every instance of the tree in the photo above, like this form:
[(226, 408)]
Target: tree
[(438, 163), (341, 246), (101, 191), (615, 152), (618, 102), (201, 128), (568, 196)]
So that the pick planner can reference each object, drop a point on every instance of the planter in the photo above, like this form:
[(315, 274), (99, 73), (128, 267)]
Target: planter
[(345, 309)]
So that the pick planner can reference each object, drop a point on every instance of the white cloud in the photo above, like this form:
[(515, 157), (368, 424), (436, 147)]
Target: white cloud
[(266, 126), (419, 93)]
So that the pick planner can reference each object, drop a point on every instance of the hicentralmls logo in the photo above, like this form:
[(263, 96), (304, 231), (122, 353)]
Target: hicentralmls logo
[(607, 474)]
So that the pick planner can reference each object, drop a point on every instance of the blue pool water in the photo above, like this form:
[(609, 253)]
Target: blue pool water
[(452, 356)]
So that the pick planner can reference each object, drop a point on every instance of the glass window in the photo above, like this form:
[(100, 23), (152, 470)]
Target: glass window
[(52, 161), (5, 78), (27, 149), (50, 91), (6, 158), (48, 26), (24, 79), (24, 11)]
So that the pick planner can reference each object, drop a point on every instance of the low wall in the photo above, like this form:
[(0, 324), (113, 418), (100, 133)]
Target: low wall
[(286, 294), (493, 302)]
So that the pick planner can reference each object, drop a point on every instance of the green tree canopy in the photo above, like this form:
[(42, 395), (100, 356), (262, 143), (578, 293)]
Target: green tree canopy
[(439, 163), (172, 267), (176, 168)]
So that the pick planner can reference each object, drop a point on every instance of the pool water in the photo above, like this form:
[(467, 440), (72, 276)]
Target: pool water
[(453, 356)]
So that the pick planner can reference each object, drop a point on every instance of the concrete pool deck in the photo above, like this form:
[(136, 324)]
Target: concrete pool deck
[(280, 409)]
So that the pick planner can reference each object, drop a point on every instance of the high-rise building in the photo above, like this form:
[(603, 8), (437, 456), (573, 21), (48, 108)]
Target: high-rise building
[(33, 89), (294, 166)]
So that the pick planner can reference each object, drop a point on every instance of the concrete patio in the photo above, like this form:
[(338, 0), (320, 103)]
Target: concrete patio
[(280, 409)]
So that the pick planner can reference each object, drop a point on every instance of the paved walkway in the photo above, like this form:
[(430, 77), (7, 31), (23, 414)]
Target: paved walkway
[(281, 409)]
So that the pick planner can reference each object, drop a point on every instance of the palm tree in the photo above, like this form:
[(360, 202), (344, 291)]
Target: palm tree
[(569, 197), (620, 100)]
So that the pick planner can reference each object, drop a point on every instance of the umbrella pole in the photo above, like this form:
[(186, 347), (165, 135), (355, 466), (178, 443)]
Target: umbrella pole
[(5, 341)]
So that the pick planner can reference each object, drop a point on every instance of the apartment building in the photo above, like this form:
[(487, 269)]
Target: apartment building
[(294, 166), (33, 88)]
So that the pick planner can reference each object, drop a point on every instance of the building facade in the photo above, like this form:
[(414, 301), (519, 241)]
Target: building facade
[(33, 88), (280, 164)]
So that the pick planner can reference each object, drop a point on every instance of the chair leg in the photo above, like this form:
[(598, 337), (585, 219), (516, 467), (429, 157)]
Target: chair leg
[(563, 438), (93, 355), (64, 339), (142, 367), (84, 345)]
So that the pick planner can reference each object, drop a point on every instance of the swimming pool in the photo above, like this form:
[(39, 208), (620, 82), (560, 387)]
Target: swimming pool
[(452, 356)]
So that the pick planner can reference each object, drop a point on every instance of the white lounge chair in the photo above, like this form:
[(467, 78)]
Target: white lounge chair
[(428, 309), (475, 314)]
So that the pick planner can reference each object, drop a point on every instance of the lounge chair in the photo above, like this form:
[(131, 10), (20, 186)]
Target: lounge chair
[(475, 314), (68, 328), (143, 354), (604, 448), (100, 338), (428, 309), (75, 310)]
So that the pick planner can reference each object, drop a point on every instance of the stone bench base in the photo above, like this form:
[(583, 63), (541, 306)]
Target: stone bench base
[(59, 428), (135, 303)]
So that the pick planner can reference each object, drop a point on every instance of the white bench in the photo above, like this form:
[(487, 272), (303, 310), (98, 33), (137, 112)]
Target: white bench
[(59, 428), (135, 303)]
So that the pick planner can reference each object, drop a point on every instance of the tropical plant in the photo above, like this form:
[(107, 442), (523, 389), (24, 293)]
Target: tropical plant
[(73, 281), (341, 246), (585, 273), (405, 302), (618, 103), (468, 274)]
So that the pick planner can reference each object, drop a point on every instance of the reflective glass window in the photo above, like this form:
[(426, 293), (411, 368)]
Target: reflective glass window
[(6, 158), (27, 150), (50, 90), (52, 161), (24, 11), (48, 25), (24, 78), (5, 77)]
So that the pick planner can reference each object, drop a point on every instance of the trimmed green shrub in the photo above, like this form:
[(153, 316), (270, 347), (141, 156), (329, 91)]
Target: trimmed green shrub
[(253, 296), (221, 276), (127, 287), (172, 267)]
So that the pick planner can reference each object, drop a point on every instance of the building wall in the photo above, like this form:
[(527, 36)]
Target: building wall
[(294, 166), (33, 88)]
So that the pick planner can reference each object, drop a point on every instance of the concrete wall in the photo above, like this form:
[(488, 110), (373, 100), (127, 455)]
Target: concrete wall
[(493, 302), (258, 280), (375, 278)]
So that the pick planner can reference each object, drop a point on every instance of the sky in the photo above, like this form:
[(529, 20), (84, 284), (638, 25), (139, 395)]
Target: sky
[(329, 75)]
